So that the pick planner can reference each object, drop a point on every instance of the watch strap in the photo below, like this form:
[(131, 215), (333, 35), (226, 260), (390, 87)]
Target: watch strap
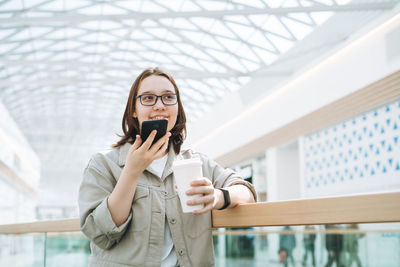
[(227, 198)]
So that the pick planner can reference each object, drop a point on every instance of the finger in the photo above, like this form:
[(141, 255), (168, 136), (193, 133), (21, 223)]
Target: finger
[(162, 150), (137, 143), (201, 200), (206, 190), (147, 144), (201, 182), (160, 143), (205, 209)]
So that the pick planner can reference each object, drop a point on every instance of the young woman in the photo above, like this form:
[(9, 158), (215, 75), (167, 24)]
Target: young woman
[(129, 208)]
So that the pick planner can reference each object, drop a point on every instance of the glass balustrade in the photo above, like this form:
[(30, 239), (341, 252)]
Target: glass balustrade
[(22, 250), (349, 245), (70, 249), (44, 250)]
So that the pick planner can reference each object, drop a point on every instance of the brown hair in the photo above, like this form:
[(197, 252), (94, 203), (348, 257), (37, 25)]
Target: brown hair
[(130, 125)]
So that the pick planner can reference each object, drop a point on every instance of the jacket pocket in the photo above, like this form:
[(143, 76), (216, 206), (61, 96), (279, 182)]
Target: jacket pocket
[(141, 209), (196, 225)]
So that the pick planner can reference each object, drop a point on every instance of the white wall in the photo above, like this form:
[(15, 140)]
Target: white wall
[(359, 62), (19, 170), (16, 153)]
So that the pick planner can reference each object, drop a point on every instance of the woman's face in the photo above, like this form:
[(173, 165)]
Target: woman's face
[(157, 85)]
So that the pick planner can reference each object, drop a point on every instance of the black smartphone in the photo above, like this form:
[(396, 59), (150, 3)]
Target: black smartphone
[(149, 126)]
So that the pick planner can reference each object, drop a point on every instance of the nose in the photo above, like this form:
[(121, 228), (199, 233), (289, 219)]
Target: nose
[(159, 104)]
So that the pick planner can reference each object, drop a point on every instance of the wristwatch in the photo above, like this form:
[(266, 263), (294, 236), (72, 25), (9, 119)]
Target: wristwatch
[(227, 198)]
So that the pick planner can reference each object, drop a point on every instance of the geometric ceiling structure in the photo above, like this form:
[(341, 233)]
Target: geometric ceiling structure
[(66, 67)]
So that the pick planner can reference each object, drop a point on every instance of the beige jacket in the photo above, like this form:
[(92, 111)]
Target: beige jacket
[(139, 241)]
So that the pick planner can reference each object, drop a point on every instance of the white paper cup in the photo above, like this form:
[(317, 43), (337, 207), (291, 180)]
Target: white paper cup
[(185, 171)]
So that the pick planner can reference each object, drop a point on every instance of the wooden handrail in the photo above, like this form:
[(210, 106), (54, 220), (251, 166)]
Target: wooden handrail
[(371, 208), (65, 225)]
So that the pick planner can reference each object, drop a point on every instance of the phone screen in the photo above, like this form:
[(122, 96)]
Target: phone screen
[(149, 126)]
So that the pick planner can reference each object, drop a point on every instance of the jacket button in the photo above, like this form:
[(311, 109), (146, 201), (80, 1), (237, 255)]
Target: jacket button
[(173, 221), (165, 193), (181, 252)]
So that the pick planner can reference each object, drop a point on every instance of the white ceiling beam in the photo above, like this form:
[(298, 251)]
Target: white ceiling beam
[(71, 146), (138, 16), (190, 75), (55, 81), (12, 82), (43, 133)]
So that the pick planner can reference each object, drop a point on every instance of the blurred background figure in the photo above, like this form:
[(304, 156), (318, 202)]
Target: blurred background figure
[(351, 246), (287, 243), (334, 246), (309, 245)]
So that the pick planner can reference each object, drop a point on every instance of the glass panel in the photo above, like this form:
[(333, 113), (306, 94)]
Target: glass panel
[(22, 250), (329, 245), (72, 249)]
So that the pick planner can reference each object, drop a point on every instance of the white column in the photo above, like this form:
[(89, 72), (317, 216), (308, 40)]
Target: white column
[(302, 181), (272, 183), (283, 179)]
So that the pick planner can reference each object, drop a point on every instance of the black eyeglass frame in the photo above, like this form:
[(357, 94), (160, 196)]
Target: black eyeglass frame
[(157, 97)]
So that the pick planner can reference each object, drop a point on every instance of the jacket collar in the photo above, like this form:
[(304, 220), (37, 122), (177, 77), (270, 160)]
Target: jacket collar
[(123, 152), (168, 165)]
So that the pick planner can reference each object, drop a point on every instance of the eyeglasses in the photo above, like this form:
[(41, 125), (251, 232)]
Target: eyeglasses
[(151, 100)]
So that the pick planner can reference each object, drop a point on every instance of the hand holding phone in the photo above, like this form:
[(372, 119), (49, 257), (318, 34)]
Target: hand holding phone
[(149, 126)]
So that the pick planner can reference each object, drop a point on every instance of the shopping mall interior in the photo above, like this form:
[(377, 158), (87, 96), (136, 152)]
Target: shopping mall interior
[(299, 97)]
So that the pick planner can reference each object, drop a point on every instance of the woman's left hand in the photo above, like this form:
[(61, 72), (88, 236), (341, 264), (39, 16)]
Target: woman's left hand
[(209, 195)]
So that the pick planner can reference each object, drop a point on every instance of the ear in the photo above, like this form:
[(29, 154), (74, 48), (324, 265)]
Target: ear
[(134, 115)]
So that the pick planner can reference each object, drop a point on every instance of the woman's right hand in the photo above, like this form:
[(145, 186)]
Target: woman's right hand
[(140, 156)]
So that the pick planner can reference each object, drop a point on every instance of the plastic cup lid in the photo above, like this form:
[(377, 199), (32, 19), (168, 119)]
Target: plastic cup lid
[(181, 162)]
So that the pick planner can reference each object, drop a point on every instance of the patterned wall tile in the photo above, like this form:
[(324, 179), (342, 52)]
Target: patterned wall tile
[(364, 149)]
